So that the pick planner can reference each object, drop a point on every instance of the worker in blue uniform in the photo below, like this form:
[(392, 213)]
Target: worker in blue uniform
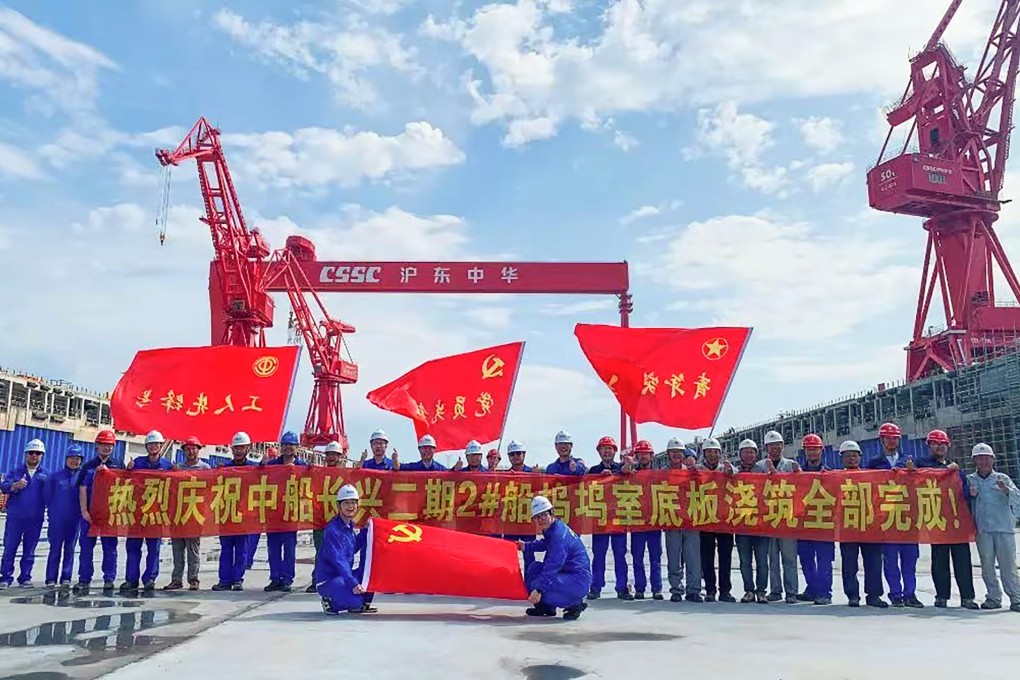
[(332, 453), (26, 489), (427, 451), (565, 464), (900, 559), (106, 440), (338, 582), (234, 549), (473, 455), (283, 544), (516, 451), (153, 460), (64, 513), (601, 542), (564, 576), (816, 557), (640, 541), (870, 553), (252, 545), (379, 441)]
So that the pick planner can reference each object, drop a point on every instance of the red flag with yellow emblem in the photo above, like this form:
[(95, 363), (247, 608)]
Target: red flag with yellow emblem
[(456, 398), (674, 376), (422, 560)]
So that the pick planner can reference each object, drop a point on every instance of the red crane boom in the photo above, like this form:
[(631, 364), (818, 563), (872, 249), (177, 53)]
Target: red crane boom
[(953, 179), (244, 270)]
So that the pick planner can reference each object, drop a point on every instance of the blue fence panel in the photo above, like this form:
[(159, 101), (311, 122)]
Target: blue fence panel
[(12, 447)]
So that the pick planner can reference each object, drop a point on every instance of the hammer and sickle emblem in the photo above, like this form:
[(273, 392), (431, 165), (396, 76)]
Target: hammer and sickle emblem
[(612, 381), (492, 367), (405, 533), (265, 366)]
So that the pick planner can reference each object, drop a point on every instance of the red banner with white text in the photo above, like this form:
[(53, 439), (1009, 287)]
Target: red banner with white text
[(878, 506)]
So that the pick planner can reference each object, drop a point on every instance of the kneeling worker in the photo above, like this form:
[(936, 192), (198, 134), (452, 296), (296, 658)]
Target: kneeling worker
[(337, 581), (564, 578)]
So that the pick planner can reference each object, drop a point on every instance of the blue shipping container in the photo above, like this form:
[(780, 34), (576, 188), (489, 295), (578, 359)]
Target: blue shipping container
[(12, 447)]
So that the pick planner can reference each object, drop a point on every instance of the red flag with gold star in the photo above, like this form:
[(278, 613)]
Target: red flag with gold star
[(674, 376), (456, 398)]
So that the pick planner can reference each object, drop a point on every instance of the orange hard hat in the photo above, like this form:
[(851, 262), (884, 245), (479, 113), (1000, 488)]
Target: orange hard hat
[(106, 437), (643, 446), (812, 440), (606, 441)]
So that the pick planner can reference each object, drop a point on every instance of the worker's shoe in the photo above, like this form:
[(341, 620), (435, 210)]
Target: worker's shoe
[(285, 588), (65, 586), (876, 602), (80, 588), (108, 586), (854, 602), (310, 588), (150, 586), (574, 613), (694, 597), (676, 597), (327, 607), (775, 597), (624, 595), (762, 599), (594, 595), (969, 604), (540, 609), (128, 587), (25, 584), (896, 601), (1015, 607), (709, 597), (656, 596), (822, 600), (941, 603), (748, 597), (173, 585), (51, 584), (639, 595), (193, 585), (726, 597), (991, 604), (367, 608), (219, 587), (273, 587), (913, 602), (804, 597), (237, 587), (4, 585), (792, 599)]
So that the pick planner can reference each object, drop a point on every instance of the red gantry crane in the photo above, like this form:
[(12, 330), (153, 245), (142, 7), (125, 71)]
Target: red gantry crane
[(950, 171), (243, 273)]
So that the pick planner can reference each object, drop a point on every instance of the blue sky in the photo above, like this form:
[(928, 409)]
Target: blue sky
[(718, 147)]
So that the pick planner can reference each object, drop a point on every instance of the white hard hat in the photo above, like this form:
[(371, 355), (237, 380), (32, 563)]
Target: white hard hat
[(334, 447), (564, 438), (773, 437), (427, 440), (36, 445), (849, 445), (540, 504), (347, 492), (711, 443), (748, 444), (154, 437), (379, 434), (240, 439), (673, 444), (982, 450), (515, 447), (473, 447)]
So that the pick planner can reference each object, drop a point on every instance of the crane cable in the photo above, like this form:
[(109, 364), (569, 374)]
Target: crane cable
[(163, 204)]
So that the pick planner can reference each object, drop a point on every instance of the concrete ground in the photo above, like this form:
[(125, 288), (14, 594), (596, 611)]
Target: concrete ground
[(258, 635)]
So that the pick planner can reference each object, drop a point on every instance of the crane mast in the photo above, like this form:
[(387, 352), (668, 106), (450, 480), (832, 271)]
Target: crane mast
[(949, 171), (240, 276)]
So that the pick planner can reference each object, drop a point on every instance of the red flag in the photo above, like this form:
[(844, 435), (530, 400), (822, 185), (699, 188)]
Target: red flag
[(444, 562), (674, 376), (208, 392), (456, 398)]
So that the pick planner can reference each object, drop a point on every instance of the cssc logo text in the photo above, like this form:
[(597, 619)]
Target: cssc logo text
[(350, 274)]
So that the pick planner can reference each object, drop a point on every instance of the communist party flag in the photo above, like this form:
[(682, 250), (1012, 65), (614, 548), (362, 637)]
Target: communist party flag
[(423, 560), (674, 376), (208, 392), (456, 398)]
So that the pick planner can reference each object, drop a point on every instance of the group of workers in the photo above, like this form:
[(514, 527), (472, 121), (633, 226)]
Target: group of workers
[(768, 565)]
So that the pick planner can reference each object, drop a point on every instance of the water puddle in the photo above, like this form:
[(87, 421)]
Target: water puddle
[(59, 599), (551, 671), (553, 637)]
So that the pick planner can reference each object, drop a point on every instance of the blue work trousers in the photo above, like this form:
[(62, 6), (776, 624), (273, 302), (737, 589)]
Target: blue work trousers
[(871, 555), (901, 569), (567, 590), (340, 595), (816, 562), (282, 546), (134, 559), (87, 548), (234, 558), (62, 535), (23, 533), (599, 547), (639, 540), (753, 552), (251, 549)]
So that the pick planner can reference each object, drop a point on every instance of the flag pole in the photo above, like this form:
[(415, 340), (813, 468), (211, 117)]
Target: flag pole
[(513, 386), (743, 349)]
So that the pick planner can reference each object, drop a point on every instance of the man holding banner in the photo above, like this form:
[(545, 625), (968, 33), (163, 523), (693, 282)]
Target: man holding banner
[(234, 549)]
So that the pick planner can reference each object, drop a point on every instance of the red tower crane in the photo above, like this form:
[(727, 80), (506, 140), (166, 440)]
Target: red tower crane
[(953, 179), (243, 272)]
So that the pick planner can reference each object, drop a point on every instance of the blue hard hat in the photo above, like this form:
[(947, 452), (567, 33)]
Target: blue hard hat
[(289, 438), (74, 450)]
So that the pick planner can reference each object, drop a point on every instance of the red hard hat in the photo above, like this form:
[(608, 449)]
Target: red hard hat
[(938, 437), (606, 441), (106, 437), (889, 430), (643, 446), (812, 440), (193, 441), (492, 451)]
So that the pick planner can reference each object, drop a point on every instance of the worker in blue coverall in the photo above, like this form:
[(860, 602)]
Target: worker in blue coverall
[(153, 460), (565, 464), (283, 544), (379, 441), (600, 543), (900, 559), (563, 578), (26, 489), (516, 451), (870, 553), (473, 454), (64, 514), (650, 540), (332, 453), (234, 549), (252, 545), (106, 440), (816, 557), (427, 451), (337, 581)]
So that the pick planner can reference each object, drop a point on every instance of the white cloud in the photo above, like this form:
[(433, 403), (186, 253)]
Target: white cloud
[(315, 157), (879, 363), (624, 141), (521, 132), (18, 164), (741, 139), (379, 6), (639, 214), (342, 52), (582, 307), (822, 134), (826, 175), (767, 272)]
